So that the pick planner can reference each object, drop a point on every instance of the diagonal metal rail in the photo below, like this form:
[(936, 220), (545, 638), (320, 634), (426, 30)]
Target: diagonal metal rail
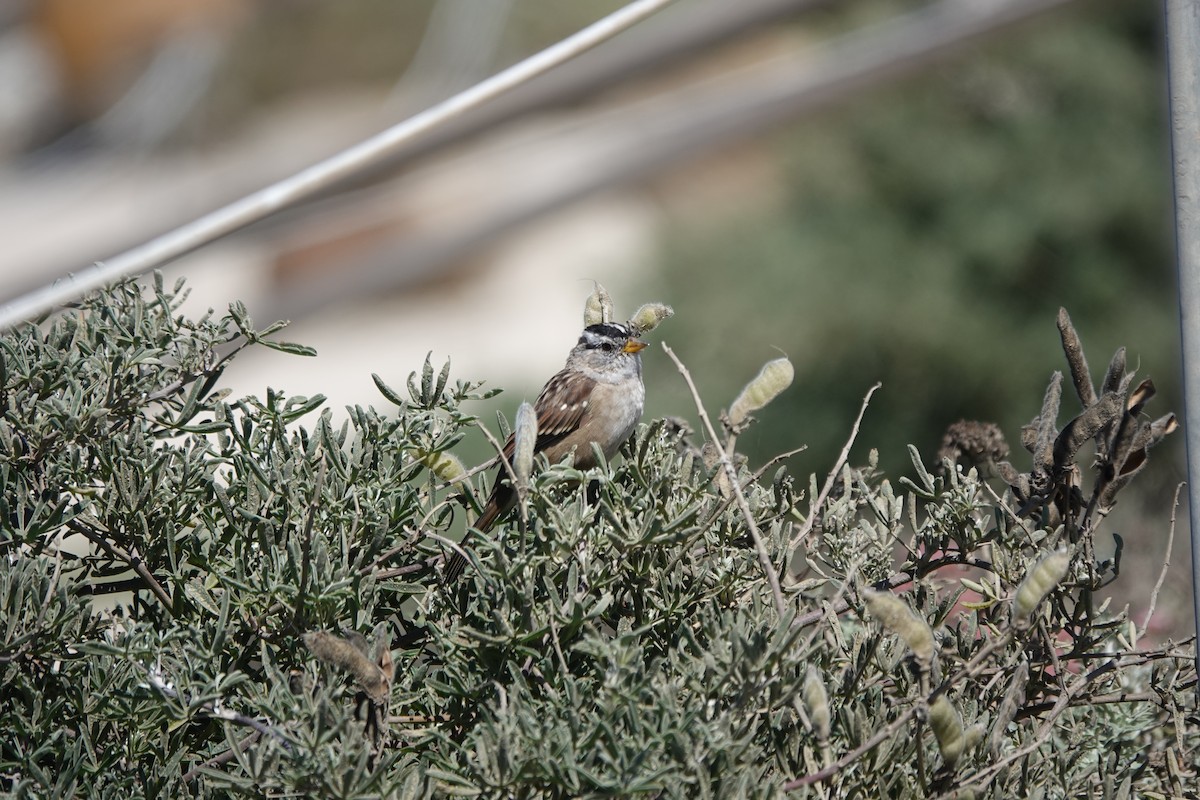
[(312, 180), (866, 58)]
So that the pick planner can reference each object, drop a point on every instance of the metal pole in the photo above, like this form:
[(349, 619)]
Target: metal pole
[(1183, 76)]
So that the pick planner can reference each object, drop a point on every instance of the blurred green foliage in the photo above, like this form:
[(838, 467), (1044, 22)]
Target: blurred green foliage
[(930, 232)]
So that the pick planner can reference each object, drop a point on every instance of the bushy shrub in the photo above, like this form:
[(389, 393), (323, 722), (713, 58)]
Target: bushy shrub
[(282, 628)]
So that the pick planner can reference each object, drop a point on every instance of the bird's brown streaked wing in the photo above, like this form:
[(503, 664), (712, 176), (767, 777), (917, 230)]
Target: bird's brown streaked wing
[(561, 406)]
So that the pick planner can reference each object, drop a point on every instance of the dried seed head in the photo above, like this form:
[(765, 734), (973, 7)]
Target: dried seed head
[(445, 466), (1095, 418), (648, 317), (1130, 454), (346, 655), (1080, 375), (1043, 447), (973, 444), (1114, 378), (525, 433), (1014, 696), (773, 378), (816, 703), (1042, 577), (948, 729), (1163, 426), (598, 308), (895, 615), (1140, 396)]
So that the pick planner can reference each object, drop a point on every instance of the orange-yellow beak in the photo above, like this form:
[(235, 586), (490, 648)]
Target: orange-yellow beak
[(633, 346)]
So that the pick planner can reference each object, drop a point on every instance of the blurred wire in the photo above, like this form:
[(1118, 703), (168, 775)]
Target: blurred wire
[(621, 147), (308, 182), (1183, 62), (688, 31), (645, 138)]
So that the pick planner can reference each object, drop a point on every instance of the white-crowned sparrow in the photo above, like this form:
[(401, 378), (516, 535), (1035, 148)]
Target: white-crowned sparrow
[(597, 397)]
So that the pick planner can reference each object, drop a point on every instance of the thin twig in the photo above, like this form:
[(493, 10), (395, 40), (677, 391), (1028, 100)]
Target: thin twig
[(212, 709), (306, 545), (827, 607), (503, 459), (133, 560), (775, 460), (387, 555), (970, 669), (419, 566), (308, 182), (1040, 737), (223, 758), (830, 770), (190, 377), (449, 543), (1162, 575), (1026, 527), (764, 557), (807, 527), (752, 479), (473, 471)]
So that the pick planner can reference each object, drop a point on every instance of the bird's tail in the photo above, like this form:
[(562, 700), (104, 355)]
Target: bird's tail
[(501, 500)]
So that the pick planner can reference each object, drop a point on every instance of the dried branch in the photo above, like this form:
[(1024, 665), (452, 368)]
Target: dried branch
[(223, 758), (1162, 574), (212, 709), (132, 559), (764, 557), (813, 513), (971, 668)]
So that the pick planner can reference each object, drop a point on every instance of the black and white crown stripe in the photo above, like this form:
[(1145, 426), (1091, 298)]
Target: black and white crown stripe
[(605, 332)]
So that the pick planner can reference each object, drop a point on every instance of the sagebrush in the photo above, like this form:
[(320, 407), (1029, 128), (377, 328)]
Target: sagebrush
[(281, 627)]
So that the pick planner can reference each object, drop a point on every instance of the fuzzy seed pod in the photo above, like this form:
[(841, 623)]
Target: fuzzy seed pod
[(1095, 418), (1008, 473), (895, 615), (598, 308), (974, 735), (345, 655), (1080, 375), (1163, 426), (1130, 453), (773, 378), (816, 703), (1042, 577), (948, 729), (1115, 376), (445, 466), (525, 433), (648, 317), (1043, 446), (1140, 396), (1013, 697)]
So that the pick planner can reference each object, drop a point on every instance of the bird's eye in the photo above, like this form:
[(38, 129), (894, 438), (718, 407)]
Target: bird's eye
[(608, 347)]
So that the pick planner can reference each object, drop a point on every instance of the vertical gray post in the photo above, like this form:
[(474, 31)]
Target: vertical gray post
[(1183, 61)]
